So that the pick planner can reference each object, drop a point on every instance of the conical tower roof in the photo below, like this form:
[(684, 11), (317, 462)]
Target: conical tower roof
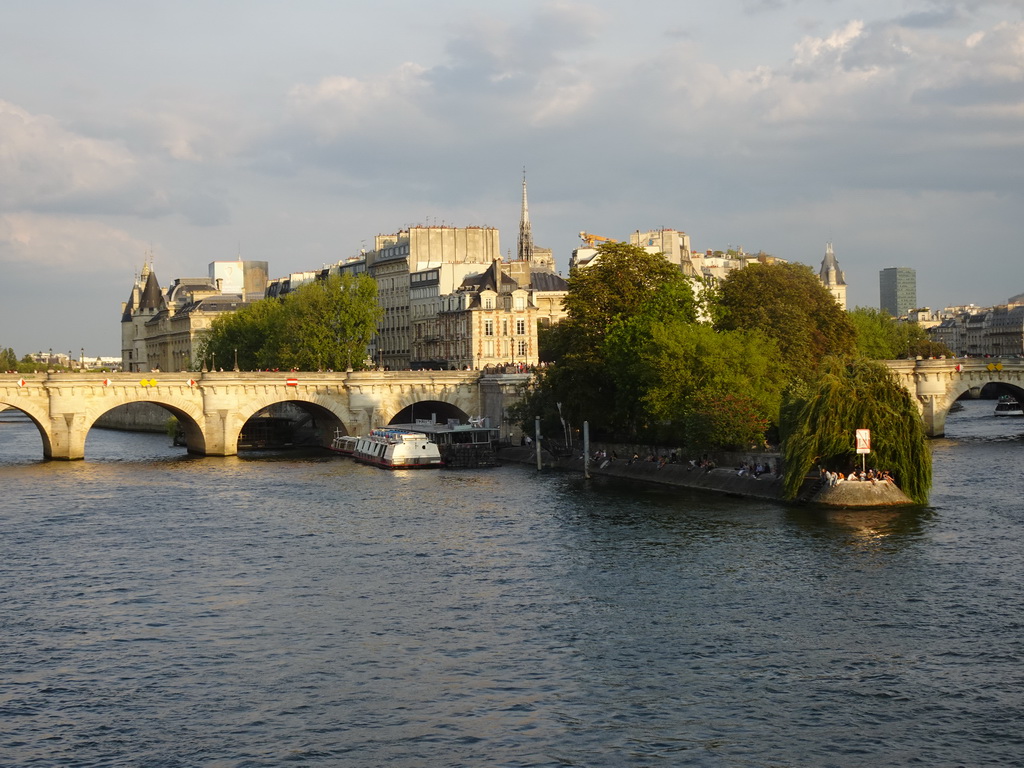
[(830, 273), (152, 298)]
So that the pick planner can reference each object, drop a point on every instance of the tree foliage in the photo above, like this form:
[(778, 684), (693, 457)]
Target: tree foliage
[(787, 303), (329, 323), (628, 289), (619, 283), (882, 337), (819, 422), (251, 332), (688, 373), (8, 360), (324, 325)]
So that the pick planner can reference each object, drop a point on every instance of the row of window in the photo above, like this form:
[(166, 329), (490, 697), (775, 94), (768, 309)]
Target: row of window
[(520, 327)]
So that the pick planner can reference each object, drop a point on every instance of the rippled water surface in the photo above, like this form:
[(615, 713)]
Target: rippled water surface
[(161, 610)]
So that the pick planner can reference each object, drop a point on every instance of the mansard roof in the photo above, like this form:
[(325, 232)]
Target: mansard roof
[(491, 279), (542, 280), (220, 303)]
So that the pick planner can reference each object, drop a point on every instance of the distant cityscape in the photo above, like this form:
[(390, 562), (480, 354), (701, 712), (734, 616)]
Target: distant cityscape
[(451, 301)]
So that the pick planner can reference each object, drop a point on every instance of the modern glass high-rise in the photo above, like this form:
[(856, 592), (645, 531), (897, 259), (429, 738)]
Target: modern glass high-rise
[(897, 290)]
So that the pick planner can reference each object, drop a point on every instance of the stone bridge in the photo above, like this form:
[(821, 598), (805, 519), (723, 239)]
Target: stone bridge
[(936, 384), (213, 407)]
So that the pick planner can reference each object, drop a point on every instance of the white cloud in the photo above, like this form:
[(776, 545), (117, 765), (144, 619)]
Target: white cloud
[(43, 165), (338, 105), (70, 247)]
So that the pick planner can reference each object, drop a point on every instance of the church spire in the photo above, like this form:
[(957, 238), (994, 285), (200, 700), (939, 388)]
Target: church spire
[(525, 249)]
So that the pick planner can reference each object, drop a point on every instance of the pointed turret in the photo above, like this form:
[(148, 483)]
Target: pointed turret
[(832, 277), (152, 298)]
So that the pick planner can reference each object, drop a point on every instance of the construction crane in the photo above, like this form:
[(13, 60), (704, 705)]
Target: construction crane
[(592, 240)]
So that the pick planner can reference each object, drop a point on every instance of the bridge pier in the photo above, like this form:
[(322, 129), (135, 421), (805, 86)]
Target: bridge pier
[(933, 413), (67, 437), (218, 425)]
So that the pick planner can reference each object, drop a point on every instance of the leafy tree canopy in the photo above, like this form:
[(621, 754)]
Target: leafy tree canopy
[(787, 303), (621, 280), (819, 422), (329, 323), (689, 373), (252, 333), (882, 337), (324, 325), (8, 360)]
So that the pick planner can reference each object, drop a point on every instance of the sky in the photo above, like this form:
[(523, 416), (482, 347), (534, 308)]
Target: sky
[(293, 133)]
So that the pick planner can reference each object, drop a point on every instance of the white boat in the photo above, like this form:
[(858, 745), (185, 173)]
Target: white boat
[(1008, 406), (343, 444), (462, 446), (397, 449)]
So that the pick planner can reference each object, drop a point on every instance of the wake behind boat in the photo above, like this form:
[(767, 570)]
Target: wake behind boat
[(396, 449)]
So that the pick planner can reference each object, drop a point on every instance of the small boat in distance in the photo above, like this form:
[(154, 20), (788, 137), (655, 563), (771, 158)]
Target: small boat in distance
[(1008, 406), (342, 443), (396, 449)]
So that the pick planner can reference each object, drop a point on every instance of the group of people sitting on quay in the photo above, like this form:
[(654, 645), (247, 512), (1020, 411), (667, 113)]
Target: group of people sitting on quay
[(756, 469), (861, 476), (705, 463)]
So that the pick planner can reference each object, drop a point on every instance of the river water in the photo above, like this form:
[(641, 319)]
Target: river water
[(162, 610)]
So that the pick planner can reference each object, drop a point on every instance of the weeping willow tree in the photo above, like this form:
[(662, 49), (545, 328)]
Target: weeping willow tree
[(818, 424)]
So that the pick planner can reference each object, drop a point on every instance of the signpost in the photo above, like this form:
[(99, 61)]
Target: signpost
[(863, 446)]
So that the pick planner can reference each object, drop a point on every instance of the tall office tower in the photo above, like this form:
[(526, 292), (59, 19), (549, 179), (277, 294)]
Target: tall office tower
[(897, 290)]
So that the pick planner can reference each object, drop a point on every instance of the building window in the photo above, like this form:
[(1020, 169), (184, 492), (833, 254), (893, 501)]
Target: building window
[(488, 327), (520, 327), (489, 349), (488, 303), (522, 349), (520, 302)]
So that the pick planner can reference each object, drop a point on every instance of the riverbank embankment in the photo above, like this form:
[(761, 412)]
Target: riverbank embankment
[(724, 480)]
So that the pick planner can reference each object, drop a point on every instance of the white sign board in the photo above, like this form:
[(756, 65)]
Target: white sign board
[(863, 441)]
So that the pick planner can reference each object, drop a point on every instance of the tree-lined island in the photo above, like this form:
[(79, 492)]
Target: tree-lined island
[(769, 357)]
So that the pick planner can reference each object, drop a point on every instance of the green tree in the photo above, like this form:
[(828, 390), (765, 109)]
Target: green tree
[(787, 303), (324, 325), (329, 323), (8, 360), (626, 288), (620, 282), (820, 418), (253, 332), (689, 373), (882, 337)]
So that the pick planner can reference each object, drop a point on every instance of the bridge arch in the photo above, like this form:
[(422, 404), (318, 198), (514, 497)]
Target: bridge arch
[(188, 414), (427, 409), (938, 383), (331, 412), (36, 418)]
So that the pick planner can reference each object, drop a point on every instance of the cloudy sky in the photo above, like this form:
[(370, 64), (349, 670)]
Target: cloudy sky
[(294, 132)]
